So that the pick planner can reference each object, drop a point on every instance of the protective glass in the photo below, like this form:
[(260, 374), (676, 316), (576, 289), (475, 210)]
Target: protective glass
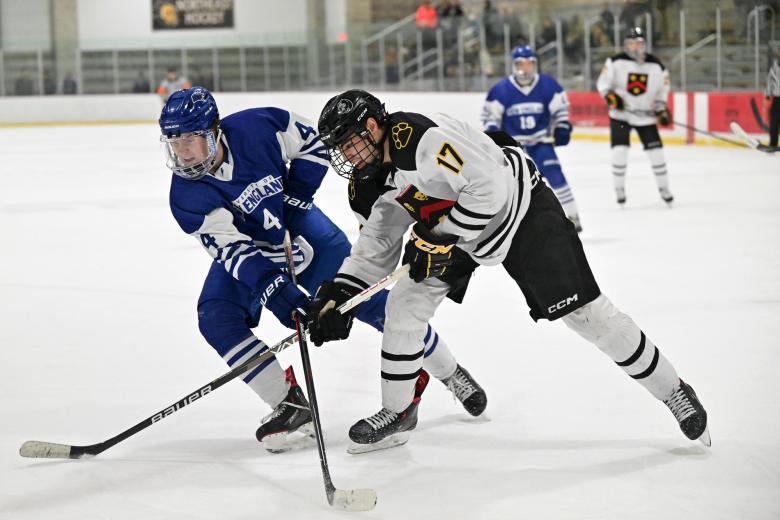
[(190, 155)]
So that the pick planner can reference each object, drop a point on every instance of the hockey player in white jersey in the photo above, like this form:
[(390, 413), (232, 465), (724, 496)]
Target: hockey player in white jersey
[(534, 110), (635, 85), (471, 199)]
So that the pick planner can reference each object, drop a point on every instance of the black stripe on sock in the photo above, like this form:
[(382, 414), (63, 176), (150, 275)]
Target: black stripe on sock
[(636, 354), (401, 377), (651, 367), (402, 357), (354, 279)]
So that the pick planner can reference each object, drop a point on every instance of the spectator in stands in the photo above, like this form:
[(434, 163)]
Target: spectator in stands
[(426, 17), (598, 37), (547, 33), (69, 85), (494, 26), (450, 16), (141, 83), (427, 21), (49, 83), (171, 83), (607, 20), (23, 86), (668, 14), (574, 40), (391, 64)]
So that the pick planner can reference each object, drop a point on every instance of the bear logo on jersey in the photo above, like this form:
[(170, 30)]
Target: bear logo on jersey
[(420, 196), (401, 133), (637, 84)]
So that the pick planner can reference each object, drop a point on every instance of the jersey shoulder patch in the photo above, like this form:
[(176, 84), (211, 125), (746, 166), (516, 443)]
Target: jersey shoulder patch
[(424, 208), (405, 129)]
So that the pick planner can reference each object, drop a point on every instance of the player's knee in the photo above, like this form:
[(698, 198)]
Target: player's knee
[(372, 312), (594, 321), (222, 323), (555, 177)]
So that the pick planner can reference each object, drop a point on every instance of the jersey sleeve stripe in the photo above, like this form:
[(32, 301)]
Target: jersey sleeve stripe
[(353, 279), (473, 214), (475, 227)]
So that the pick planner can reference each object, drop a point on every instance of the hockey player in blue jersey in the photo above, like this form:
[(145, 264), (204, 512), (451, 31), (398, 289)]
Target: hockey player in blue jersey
[(530, 106), (238, 183)]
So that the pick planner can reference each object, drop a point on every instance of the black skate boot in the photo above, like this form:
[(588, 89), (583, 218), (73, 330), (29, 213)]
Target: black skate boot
[(386, 429), (291, 415), (666, 195), (467, 391), (690, 414), (620, 193)]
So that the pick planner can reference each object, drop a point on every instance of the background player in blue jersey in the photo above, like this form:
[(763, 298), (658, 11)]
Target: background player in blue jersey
[(530, 107), (238, 184)]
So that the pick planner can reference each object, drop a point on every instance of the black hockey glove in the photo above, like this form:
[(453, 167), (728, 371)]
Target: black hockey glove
[(614, 101), (325, 322), (428, 254), (663, 116)]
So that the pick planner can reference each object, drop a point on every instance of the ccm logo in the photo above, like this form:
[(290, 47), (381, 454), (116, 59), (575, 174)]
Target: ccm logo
[(181, 404), (561, 304)]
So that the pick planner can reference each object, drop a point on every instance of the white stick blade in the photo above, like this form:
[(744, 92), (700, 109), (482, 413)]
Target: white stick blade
[(739, 132), (44, 450), (354, 499)]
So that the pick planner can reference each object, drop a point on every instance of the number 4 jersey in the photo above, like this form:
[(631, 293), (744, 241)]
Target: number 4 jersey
[(272, 159)]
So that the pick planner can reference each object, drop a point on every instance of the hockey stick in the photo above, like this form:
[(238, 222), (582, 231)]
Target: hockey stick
[(650, 113), (750, 141), (52, 450), (757, 115), (350, 499), (531, 141)]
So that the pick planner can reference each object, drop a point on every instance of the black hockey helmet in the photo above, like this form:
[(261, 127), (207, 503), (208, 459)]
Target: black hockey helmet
[(635, 33), (345, 115), (635, 44)]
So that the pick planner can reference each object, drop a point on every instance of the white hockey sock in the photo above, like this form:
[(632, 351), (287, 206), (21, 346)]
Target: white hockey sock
[(565, 197), (620, 338), (267, 379), (619, 164), (400, 368), (438, 361), (658, 163)]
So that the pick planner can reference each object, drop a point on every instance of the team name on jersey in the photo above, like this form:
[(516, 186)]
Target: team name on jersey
[(519, 109), (254, 194)]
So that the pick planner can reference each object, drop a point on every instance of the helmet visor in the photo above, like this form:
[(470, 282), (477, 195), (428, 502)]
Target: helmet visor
[(190, 155)]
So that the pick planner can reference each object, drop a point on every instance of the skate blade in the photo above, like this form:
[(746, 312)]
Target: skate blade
[(704, 438), (283, 442), (391, 441)]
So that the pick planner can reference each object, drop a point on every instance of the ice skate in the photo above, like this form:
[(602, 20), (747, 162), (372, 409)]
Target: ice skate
[(466, 390), (291, 416), (575, 219), (666, 195), (620, 194), (386, 429), (690, 414)]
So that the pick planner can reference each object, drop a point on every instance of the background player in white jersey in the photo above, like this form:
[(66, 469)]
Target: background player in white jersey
[(238, 183), (636, 87), (530, 107), (466, 196)]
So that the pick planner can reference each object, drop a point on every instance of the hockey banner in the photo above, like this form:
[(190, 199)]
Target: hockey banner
[(191, 14), (745, 108)]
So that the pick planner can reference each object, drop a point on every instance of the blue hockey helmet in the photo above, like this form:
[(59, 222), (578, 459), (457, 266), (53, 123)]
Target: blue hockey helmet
[(187, 123), (525, 64)]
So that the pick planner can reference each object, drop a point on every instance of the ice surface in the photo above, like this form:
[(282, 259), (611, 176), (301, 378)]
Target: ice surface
[(98, 331)]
